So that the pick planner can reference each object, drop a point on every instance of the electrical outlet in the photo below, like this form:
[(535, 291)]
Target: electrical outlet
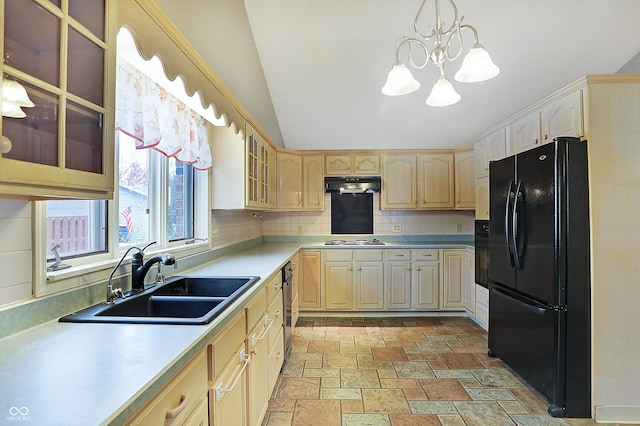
[(396, 227), (300, 229), (214, 231), (458, 227)]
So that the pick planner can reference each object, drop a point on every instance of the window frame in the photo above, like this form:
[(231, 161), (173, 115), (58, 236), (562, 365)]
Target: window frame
[(92, 269)]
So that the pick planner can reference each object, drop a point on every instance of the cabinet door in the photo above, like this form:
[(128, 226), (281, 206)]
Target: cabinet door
[(453, 279), (289, 181), (465, 182), (253, 168), (309, 295), (525, 133), (469, 282), (228, 395), (338, 285), (337, 165), (258, 386), (369, 285), (397, 282), (436, 181), (366, 165), (313, 181), (563, 118), (497, 143), (482, 199), (426, 282), (398, 182), (481, 150)]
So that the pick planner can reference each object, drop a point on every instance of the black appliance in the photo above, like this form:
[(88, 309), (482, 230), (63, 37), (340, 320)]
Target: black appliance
[(352, 203), (481, 242), (539, 276), (287, 295)]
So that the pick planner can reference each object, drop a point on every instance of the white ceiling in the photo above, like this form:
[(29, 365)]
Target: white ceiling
[(325, 61)]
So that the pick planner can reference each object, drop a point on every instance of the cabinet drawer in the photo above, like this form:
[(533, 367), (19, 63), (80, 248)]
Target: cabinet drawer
[(398, 254), (200, 416), (256, 308), (274, 287), (175, 403), (276, 313), (224, 345), (367, 254), (424, 254), (338, 255)]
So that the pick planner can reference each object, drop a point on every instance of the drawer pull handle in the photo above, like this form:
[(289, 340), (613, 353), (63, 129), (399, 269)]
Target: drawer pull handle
[(255, 339), (246, 359), (175, 412), (427, 255), (399, 255)]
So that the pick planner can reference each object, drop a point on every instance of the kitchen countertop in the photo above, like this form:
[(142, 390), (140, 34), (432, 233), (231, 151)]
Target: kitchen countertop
[(83, 374)]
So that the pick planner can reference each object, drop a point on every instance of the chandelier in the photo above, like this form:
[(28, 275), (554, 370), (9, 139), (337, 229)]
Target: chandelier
[(447, 46)]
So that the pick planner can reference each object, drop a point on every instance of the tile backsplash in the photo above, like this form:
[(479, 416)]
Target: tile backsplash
[(15, 251), (384, 222)]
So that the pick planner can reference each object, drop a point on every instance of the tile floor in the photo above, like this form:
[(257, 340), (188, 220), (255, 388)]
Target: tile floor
[(399, 372)]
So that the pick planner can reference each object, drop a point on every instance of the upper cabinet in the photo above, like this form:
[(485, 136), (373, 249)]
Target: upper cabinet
[(465, 193), (313, 182), (261, 171), (64, 56), (399, 182), (289, 181), (490, 148), (359, 165), (436, 181), (561, 117)]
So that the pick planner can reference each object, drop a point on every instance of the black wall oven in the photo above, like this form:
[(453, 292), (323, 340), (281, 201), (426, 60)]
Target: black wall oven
[(482, 252)]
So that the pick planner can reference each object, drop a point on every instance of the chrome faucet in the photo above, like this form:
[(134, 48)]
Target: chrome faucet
[(139, 267)]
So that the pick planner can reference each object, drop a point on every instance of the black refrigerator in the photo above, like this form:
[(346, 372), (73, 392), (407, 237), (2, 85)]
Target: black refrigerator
[(539, 275)]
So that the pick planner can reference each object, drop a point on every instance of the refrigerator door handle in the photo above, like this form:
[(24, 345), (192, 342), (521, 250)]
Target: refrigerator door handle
[(507, 210), (514, 227), (529, 305)]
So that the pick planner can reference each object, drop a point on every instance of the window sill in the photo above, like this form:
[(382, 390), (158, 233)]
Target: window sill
[(99, 271)]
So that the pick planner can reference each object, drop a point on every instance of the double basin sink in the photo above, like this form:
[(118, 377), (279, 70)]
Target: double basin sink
[(180, 300)]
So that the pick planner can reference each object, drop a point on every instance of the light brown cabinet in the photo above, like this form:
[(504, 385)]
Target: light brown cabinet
[(64, 147), (313, 182), (482, 198), (399, 182), (353, 279), (260, 185), (453, 279), (436, 181), (359, 165), (490, 148), (561, 117), (397, 279), (309, 287), (465, 194), (289, 192)]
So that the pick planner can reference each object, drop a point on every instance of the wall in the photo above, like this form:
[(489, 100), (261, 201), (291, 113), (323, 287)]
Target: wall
[(632, 66), (230, 49), (411, 223), (15, 251), (230, 227)]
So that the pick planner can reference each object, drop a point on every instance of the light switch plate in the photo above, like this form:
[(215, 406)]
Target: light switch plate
[(396, 227)]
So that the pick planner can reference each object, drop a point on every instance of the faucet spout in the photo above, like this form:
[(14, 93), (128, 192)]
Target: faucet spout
[(139, 268)]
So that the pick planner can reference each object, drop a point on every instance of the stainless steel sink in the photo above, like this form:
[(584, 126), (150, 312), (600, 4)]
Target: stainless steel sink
[(181, 300)]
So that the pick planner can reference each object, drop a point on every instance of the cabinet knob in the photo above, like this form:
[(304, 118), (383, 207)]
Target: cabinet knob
[(546, 137), (418, 269)]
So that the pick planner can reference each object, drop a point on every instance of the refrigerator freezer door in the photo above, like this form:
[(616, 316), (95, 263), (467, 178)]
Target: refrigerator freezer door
[(524, 334), (501, 183), (536, 223)]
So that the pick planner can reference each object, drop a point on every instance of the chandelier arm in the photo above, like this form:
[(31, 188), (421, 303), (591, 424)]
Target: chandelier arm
[(453, 36), (415, 21), (473, 29), (410, 42)]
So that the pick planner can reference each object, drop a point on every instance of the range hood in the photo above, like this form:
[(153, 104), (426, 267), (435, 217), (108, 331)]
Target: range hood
[(352, 185)]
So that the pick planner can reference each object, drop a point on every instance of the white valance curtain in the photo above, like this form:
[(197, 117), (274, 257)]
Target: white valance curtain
[(157, 119)]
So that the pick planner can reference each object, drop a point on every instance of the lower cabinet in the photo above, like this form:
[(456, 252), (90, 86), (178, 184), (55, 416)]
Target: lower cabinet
[(353, 279), (469, 282), (309, 294), (181, 400), (412, 279), (453, 276), (397, 278)]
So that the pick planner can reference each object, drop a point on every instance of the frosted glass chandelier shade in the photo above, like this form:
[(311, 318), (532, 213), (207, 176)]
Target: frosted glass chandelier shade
[(477, 66), (443, 93), (400, 81), (16, 93), (12, 110)]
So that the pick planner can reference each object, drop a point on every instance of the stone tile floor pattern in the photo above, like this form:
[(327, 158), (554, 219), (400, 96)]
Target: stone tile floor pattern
[(400, 372)]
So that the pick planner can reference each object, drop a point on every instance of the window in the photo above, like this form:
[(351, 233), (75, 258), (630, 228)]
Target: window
[(76, 227)]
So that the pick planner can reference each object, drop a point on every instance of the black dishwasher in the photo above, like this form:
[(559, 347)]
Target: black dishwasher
[(287, 278)]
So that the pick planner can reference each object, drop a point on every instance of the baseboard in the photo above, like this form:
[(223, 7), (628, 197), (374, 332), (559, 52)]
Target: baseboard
[(397, 314), (617, 414)]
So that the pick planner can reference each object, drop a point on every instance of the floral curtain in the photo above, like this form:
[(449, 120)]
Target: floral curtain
[(157, 119)]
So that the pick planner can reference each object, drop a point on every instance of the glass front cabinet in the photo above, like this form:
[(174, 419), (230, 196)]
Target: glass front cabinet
[(57, 114)]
